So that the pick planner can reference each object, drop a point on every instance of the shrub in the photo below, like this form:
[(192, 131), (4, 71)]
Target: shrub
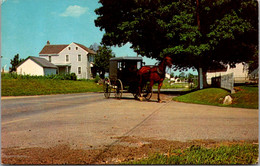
[(97, 78), (71, 76)]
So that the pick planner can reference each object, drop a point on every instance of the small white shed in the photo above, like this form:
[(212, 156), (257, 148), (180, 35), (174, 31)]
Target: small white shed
[(36, 66)]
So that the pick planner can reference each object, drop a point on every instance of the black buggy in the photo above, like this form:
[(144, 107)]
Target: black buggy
[(123, 78)]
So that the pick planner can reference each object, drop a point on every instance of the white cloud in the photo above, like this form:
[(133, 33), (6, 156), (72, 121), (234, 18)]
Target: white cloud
[(74, 11), (2, 1)]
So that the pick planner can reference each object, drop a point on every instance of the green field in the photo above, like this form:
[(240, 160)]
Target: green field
[(235, 154), (42, 86), (245, 97), (168, 85)]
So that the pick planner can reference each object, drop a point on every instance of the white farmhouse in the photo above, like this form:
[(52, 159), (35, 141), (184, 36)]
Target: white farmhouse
[(36, 66), (240, 73), (167, 75), (71, 58)]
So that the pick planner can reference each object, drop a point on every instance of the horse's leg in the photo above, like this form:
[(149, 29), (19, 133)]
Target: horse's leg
[(159, 87), (140, 87), (151, 84)]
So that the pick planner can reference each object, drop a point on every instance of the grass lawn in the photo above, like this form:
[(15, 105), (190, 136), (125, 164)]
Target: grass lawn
[(245, 97), (234, 154), (167, 85), (23, 87)]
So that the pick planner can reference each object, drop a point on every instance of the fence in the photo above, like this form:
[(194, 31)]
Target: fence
[(224, 81)]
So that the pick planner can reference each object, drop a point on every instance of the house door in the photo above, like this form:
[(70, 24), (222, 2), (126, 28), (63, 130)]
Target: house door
[(64, 70)]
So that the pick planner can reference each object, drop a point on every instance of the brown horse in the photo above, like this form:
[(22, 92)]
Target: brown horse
[(153, 75)]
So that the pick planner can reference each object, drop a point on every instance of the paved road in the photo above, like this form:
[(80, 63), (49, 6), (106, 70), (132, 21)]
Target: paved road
[(88, 120)]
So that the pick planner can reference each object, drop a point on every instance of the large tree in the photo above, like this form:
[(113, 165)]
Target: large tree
[(202, 34), (14, 62), (104, 53)]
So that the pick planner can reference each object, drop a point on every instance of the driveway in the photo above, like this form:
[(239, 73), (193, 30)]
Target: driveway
[(88, 121)]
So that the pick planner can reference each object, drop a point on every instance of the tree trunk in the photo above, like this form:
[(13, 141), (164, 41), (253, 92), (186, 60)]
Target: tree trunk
[(197, 12), (202, 72), (102, 74), (202, 78)]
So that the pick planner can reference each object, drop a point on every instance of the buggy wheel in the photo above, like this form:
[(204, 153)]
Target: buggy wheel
[(119, 89), (136, 95), (147, 91), (106, 88)]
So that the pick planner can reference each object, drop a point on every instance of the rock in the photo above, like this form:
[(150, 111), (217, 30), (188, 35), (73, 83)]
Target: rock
[(227, 100)]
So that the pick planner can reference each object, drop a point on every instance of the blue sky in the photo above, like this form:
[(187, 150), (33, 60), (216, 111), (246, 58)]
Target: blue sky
[(26, 26)]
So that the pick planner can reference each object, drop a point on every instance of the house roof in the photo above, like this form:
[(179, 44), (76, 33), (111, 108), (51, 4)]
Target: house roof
[(55, 49), (86, 49), (126, 58), (256, 71), (52, 49), (40, 61)]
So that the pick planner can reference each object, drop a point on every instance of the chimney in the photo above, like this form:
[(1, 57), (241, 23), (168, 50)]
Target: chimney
[(48, 42)]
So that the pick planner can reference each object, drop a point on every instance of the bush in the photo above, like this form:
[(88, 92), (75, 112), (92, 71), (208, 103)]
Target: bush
[(97, 78), (71, 76)]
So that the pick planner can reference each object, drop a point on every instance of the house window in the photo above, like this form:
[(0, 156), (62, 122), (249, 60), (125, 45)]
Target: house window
[(49, 58), (90, 58), (69, 48), (79, 70), (67, 58), (79, 57), (76, 48)]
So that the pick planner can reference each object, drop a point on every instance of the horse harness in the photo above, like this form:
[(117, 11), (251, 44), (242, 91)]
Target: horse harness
[(159, 71)]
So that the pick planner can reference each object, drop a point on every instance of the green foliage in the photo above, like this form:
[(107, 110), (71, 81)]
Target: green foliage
[(235, 154), (228, 32), (253, 63), (71, 76), (102, 58), (190, 76), (182, 76), (17, 85), (96, 79), (246, 97), (172, 75), (14, 62)]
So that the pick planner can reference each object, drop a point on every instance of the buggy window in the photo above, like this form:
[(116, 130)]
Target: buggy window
[(121, 66), (139, 65), (131, 66)]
